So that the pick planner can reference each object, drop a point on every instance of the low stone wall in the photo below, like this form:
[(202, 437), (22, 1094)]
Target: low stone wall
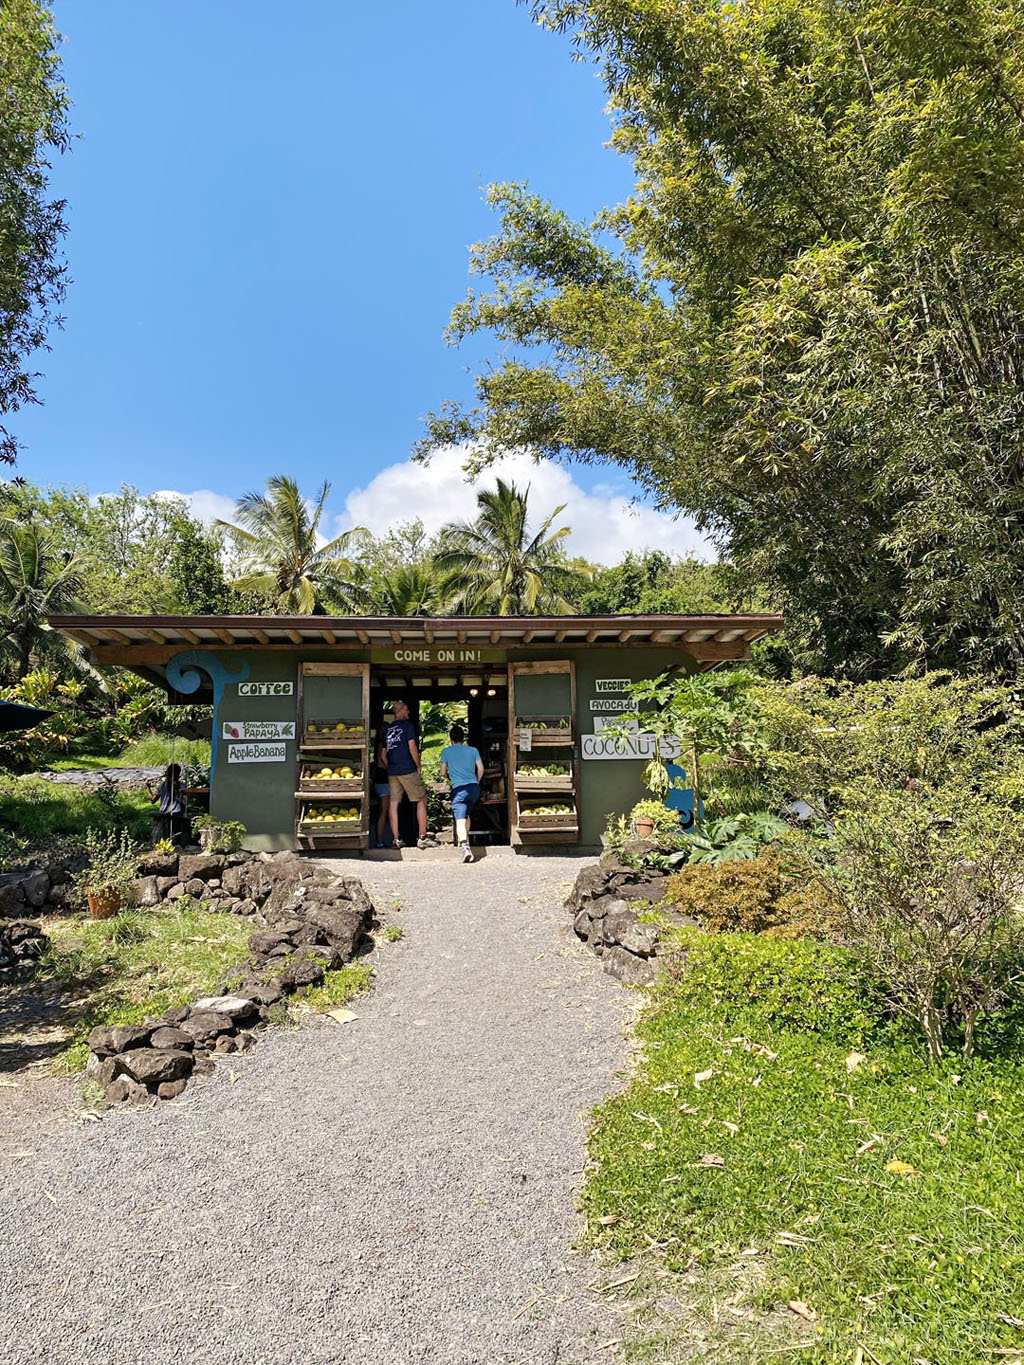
[(24, 889), (22, 944), (307, 920), (602, 905)]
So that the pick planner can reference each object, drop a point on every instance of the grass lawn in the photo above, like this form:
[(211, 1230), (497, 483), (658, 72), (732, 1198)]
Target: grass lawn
[(139, 963), (778, 1122), (39, 810), (142, 962)]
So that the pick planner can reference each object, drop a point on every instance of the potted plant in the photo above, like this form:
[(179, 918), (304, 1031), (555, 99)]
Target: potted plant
[(649, 816), (219, 836), (107, 877)]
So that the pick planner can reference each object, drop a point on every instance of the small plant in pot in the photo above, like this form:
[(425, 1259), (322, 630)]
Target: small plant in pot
[(219, 836), (651, 818), (108, 876)]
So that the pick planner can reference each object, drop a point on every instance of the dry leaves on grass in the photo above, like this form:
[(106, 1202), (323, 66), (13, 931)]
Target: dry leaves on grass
[(802, 1310)]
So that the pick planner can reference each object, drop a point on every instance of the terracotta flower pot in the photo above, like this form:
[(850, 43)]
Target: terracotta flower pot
[(103, 904), (644, 828)]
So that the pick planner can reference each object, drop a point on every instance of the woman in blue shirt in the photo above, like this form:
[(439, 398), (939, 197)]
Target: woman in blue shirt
[(462, 765)]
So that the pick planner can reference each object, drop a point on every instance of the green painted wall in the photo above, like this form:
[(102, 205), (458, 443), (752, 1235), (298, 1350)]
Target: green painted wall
[(261, 795)]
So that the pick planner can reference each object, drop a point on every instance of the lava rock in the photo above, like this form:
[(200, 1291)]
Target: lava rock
[(626, 967), (144, 891), (201, 866), (168, 1036), (106, 1041), (235, 1006), (175, 892), (159, 865), (302, 971), (151, 1065), (196, 888), (103, 1070), (170, 1090), (125, 1088), (205, 1025)]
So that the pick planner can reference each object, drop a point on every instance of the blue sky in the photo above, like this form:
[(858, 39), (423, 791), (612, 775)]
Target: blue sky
[(271, 207)]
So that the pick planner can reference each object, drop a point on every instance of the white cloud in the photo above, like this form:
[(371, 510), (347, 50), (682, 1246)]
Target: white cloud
[(604, 523), (205, 505)]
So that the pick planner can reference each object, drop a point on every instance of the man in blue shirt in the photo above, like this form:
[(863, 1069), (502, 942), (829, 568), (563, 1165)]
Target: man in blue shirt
[(400, 755), (462, 765)]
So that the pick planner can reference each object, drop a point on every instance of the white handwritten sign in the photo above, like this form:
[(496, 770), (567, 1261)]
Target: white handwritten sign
[(257, 753), (259, 729), (611, 685), (638, 746), (622, 705), (265, 689), (526, 740)]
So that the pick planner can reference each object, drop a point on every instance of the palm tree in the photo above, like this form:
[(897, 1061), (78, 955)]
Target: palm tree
[(411, 590), (280, 558), (499, 567), (36, 580)]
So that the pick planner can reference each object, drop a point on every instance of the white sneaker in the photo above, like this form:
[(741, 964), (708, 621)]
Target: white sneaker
[(467, 856)]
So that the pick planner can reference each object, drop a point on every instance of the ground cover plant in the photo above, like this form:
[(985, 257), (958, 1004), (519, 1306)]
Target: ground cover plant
[(781, 1118)]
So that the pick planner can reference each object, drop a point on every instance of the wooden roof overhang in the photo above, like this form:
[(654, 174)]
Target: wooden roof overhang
[(146, 643)]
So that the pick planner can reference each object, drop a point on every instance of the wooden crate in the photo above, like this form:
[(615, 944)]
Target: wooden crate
[(326, 732), (334, 786), (528, 820), (561, 782), (330, 828), (546, 729)]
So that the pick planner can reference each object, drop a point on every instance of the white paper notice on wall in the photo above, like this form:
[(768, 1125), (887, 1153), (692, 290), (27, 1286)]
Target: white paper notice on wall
[(257, 753), (526, 740), (602, 722), (259, 729)]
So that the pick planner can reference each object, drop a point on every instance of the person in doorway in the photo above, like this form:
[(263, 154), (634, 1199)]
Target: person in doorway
[(462, 765), (400, 755), (379, 778), (169, 823)]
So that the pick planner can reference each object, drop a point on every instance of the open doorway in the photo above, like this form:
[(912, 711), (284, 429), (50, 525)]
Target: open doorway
[(436, 701)]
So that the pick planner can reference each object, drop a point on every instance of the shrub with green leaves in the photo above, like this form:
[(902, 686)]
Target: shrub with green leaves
[(775, 893), (930, 894)]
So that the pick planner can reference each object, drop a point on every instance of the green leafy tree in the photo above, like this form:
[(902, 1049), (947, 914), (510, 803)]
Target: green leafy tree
[(36, 581), (33, 124), (277, 538), (804, 327), (499, 566), (196, 570)]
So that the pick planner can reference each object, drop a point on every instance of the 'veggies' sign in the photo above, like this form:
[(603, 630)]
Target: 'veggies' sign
[(611, 685), (259, 729), (266, 689)]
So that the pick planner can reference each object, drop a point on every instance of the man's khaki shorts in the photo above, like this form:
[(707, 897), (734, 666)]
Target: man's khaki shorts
[(409, 783)]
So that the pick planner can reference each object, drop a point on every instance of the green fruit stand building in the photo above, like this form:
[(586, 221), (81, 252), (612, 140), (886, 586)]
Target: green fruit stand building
[(297, 702)]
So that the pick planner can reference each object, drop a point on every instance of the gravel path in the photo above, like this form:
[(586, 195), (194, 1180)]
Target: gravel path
[(392, 1190)]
